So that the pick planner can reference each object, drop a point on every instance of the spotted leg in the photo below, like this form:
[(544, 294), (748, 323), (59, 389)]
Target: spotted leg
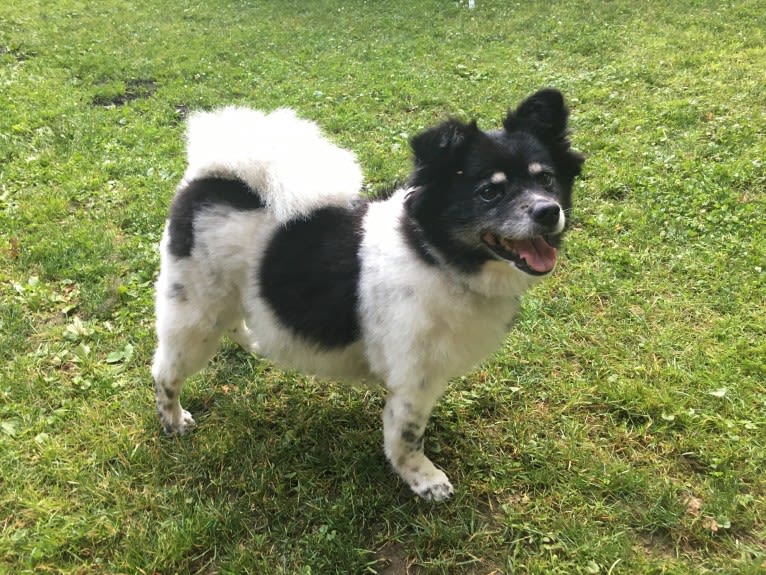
[(188, 333), (404, 422)]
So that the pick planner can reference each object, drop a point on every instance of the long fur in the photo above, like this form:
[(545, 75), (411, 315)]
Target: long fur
[(268, 241), (294, 168)]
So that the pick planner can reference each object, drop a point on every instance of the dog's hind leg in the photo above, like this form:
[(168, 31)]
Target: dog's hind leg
[(178, 356), (188, 335), (404, 422)]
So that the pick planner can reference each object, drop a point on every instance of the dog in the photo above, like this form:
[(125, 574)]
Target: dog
[(269, 241)]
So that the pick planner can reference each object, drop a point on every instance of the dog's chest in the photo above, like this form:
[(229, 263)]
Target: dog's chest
[(431, 329), (421, 320), (467, 329)]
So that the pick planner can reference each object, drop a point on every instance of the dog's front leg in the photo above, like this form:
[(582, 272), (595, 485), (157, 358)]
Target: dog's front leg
[(404, 424)]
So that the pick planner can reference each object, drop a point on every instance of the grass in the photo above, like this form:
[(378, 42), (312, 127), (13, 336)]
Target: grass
[(619, 430)]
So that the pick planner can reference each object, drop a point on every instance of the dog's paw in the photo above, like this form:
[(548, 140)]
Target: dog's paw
[(242, 335), (436, 487), (178, 425)]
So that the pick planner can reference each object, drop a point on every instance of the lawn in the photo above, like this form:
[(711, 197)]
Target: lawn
[(620, 430)]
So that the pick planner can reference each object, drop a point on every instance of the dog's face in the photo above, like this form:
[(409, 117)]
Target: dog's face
[(497, 196)]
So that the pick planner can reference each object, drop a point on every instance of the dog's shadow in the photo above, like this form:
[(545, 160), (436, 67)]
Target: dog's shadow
[(263, 430), (264, 434)]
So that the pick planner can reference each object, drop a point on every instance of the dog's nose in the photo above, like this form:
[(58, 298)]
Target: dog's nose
[(547, 214)]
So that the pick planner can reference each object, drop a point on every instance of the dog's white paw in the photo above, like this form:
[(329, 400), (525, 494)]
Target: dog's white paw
[(435, 487), (177, 425), (425, 479), (243, 336)]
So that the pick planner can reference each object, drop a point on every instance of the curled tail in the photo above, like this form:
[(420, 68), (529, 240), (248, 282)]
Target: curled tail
[(283, 158)]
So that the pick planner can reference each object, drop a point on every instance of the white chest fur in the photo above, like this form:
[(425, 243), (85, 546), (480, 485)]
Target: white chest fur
[(420, 320)]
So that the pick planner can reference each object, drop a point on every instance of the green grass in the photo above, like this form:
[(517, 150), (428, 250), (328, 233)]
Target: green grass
[(621, 429)]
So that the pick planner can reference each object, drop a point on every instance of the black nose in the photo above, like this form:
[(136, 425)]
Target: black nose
[(546, 214)]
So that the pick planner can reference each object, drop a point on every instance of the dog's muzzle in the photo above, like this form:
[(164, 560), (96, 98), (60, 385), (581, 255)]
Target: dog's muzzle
[(534, 253)]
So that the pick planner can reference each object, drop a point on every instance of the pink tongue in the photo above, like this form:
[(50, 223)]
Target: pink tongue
[(539, 254)]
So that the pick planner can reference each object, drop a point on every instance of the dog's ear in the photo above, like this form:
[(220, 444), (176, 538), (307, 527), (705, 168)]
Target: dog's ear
[(440, 148), (545, 115)]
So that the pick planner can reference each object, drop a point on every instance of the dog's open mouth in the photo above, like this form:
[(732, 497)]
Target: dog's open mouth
[(534, 255)]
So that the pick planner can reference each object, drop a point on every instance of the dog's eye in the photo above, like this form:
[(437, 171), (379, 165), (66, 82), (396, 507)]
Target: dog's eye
[(545, 179), (491, 192)]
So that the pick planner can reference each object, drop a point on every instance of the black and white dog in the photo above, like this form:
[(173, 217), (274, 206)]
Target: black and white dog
[(269, 241)]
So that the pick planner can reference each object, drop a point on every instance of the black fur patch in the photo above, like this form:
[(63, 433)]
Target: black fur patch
[(426, 228), (412, 436), (416, 239), (310, 274), (199, 195)]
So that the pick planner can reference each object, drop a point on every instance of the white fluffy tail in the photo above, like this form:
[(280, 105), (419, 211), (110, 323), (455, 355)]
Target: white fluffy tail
[(286, 159)]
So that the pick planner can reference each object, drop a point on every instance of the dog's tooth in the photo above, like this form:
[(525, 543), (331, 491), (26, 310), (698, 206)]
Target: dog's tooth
[(489, 239), (507, 244)]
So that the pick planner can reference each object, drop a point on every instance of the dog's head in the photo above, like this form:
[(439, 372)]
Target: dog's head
[(479, 197)]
